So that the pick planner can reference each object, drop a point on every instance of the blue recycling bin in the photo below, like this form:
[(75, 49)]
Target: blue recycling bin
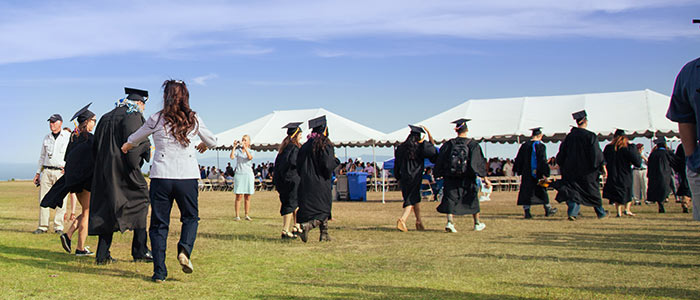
[(357, 186)]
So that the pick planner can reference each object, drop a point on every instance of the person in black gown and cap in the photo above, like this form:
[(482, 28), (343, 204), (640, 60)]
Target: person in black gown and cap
[(620, 157), (531, 164), (286, 177), (683, 192), (460, 161), (119, 199), (581, 163), (77, 179), (315, 162), (660, 173), (408, 170)]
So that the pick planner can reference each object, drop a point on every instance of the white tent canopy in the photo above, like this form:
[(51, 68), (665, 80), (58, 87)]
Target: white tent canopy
[(640, 113), (266, 133)]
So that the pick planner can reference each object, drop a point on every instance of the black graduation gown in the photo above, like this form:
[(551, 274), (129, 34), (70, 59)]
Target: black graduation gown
[(618, 186), (315, 172), (530, 192), (460, 194), (286, 178), (580, 161), (78, 171), (660, 174), (409, 172), (679, 167), (119, 199)]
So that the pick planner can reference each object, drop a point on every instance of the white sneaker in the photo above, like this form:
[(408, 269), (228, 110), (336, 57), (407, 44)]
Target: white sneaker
[(185, 263), (237, 218), (450, 227), (479, 227), (247, 218)]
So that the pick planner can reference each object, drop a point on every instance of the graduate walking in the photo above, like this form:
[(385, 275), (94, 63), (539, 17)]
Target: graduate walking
[(286, 178), (620, 157), (460, 162), (531, 164), (660, 173), (581, 163), (683, 191), (315, 162), (119, 199), (408, 170)]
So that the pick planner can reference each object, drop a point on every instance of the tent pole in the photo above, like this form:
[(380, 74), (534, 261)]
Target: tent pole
[(374, 166), (383, 185), (346, 153), (218, 166)]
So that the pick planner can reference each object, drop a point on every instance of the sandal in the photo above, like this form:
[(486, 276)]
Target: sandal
[(401, 225), (286, 235), (629, 213)]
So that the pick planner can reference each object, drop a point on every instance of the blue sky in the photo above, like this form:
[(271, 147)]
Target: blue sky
[(381, 63)]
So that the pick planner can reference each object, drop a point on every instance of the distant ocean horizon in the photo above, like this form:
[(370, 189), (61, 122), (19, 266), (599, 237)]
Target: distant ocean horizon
[(17, 171)]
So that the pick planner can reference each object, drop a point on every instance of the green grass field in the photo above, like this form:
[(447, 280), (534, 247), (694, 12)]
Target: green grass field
[(651, 256)]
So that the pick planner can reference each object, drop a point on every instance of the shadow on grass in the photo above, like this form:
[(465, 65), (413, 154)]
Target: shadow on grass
[(581, 260), (362, 291), (664, 292), (627, 242), (386, 229), (247, 237), (58, 261)]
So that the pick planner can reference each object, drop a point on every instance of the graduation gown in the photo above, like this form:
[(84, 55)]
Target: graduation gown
[(77, 177), (409, 172), (286, 178), (660, 174), (460, 194), (679, 167), (580, 161), (315, 172), (530, 193), (119, 199), (618, 186)]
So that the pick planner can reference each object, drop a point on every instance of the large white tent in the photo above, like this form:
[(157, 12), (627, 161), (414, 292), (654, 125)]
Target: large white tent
[(640, 113), (266, 133)]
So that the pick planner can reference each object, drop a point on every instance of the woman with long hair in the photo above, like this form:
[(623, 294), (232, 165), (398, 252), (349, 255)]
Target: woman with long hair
[(244, 178), (620, 157), (174, 173), (408, 170), (77, 180), (315, 162), (286, 178)]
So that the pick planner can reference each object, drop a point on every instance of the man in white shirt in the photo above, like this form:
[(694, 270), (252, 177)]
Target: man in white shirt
[(51, 163)]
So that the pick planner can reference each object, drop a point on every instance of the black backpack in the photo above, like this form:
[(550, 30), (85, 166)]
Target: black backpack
[(459, 160)]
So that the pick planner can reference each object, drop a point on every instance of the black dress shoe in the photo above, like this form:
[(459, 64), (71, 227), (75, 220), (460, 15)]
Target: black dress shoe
[(148, 257), (65, 242), (107, 261), (527, 214)]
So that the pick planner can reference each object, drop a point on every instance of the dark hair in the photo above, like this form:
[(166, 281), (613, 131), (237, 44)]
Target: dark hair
[(620, 141), (290, 139), (581, 121), (462, 129), (176, 110), (81, 129), (411, 145), (321, 141)]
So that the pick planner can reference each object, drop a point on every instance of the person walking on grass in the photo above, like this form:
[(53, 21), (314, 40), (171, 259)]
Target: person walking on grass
[(77, 180), (174, 173), (51, 164), (661, 163), (408, 170), (531, 164), (581, 163), (620, 157), (286, 178), (460, 162), (315, 162), (244, 178)]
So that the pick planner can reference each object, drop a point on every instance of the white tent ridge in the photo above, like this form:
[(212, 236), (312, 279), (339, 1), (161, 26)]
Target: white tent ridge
[(266, 133), (508, 120)]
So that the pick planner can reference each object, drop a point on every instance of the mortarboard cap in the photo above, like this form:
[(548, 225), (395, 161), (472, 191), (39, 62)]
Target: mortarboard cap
[(579, 115), (318, 124), (292, 128), (661, 140), (416, 129), (136, 94), (461, 123), (83, 114), (619, 132), (536, 131), (54, 118)]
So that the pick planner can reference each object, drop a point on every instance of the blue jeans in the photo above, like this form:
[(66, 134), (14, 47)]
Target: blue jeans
[(574, 208), (163, 192)]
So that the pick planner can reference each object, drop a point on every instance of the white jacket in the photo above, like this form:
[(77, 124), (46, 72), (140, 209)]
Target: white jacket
[(53, 151)]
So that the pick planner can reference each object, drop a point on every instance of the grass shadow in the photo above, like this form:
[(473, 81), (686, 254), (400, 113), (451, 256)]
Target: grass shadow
[(577, 260), (239, 237), (664, 292)]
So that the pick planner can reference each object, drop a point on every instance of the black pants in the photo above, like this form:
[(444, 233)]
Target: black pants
[(138, 245), (163, 192)]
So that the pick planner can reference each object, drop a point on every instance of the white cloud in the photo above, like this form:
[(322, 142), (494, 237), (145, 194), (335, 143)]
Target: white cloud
[(202, 80), (71, 29)]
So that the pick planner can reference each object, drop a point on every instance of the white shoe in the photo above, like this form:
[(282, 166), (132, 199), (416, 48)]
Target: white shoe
[(185, 263), (479, 227), (450, 227), (247, 218), (237, 218)]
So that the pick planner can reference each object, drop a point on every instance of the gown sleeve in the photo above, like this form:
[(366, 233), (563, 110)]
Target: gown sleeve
[(477, 160), (518, 162), (141, 151), (328, 162), (429, 151), (542, 166), (397, 163), (442, 159)]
